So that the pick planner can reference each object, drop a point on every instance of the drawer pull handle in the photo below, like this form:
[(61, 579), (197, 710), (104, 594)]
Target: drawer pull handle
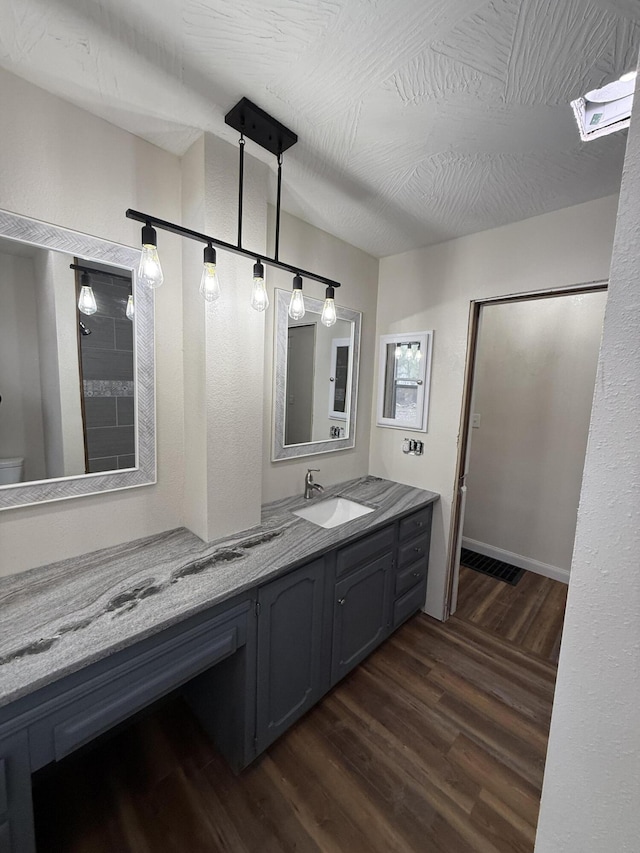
[(417, 574), (341, 601), (419, 523), (418, 550)]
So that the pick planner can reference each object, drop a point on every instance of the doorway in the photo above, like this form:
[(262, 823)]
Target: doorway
[(530, 375), (301, 347)]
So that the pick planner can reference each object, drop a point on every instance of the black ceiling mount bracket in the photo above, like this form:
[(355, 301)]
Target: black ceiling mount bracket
[(260, 127)]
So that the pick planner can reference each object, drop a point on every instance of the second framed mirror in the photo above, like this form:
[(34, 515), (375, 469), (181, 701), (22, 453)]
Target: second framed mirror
[(316, 380)]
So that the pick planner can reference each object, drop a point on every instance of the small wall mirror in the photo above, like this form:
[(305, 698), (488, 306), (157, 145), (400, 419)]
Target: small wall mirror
[(76, 365), (404, 378), (315, 380)]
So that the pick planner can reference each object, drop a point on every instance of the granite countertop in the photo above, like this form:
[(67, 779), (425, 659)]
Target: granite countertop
[(61, 617)]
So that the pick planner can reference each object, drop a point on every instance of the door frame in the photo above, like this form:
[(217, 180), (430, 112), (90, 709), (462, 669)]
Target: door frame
[(464, 430)]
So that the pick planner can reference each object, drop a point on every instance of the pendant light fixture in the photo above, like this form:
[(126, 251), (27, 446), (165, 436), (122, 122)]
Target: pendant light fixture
[(259, 296), (209, 284), (150, 269), (86, 300), (296, 305), (254, 123), (329, 315), (130, 311)]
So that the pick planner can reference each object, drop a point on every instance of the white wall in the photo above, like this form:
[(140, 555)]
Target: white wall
[(358, 272), (592, 785), (223, 345), (533, 390), (21, 406), (63, 165), (432, 289)]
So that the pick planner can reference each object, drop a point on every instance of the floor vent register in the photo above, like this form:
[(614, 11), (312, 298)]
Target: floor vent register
[(490, 566)]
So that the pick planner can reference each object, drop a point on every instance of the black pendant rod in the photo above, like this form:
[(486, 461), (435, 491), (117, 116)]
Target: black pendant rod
[(240, 189), (83, 268), (164, 225), (277, 247)]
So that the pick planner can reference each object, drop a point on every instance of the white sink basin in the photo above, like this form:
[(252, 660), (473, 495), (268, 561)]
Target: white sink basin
[(332, 512)]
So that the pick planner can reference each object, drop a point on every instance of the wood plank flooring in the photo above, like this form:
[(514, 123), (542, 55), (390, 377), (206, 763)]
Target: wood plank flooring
[(529, 615), (436, 743)]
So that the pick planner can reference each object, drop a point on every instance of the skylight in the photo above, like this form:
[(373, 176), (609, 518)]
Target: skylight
[(605, 110)]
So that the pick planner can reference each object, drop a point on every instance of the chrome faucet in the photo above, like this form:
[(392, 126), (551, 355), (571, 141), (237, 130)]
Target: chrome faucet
[(309, 485)]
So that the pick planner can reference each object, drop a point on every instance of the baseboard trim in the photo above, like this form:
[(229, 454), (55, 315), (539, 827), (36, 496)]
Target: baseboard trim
[(553, 572)]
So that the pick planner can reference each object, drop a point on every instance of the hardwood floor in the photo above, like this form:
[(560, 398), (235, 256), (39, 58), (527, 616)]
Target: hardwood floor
[(436, 743), (529, 615)]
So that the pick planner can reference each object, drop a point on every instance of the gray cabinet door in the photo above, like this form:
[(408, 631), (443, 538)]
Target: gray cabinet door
[(16, 811), (290, 624), (361, 614)]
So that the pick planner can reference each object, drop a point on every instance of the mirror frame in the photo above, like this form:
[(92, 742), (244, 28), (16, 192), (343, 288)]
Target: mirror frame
[(45, 236), (311, 448)]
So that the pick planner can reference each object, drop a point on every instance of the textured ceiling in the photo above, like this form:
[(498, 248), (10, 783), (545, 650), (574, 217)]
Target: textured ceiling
[(419, 120)]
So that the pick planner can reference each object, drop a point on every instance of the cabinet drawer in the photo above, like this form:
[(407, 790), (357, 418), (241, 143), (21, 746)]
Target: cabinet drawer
[(409, 577), (416, 524), (411, 552), (111, 697), (409, 604), (364, 549)]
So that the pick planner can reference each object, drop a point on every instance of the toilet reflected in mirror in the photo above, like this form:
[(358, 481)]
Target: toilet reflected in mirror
[(11, 470)]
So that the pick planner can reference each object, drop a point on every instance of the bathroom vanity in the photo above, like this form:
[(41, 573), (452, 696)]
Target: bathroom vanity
[(254, 629)]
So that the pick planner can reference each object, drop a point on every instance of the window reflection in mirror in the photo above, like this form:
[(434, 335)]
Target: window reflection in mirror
[(405, 362), (402, 378)]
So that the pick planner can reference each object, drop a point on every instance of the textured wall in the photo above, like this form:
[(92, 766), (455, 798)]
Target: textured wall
[(63, 165), (432, 289), (533, 390), (592, 785), (224, 349), (318, 251)]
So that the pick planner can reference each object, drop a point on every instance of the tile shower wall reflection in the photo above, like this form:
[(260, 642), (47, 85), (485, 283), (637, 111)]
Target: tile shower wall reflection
[(107, 374)]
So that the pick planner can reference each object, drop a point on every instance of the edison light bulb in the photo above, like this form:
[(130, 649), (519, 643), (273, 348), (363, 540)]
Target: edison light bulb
[(209, 283), (259, 296), (149, 269), (329, 308), (130, 308), (398, 353), (87, 300), (296, 306)]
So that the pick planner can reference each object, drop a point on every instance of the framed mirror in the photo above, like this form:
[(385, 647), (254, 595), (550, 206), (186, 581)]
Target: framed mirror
[(315, 380), (77, 405), (404, 371)]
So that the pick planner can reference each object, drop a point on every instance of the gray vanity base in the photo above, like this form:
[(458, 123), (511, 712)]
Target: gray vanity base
[(251, 657)]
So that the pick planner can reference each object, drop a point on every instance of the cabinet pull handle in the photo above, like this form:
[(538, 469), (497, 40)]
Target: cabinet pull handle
[(418, 550), (341, 601), (419, 523), (417, 574)]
